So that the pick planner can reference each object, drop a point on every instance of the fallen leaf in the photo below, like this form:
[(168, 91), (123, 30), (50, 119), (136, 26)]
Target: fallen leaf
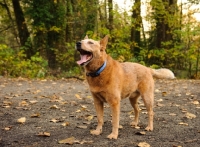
[(23, 103), (8, 97), (143, 144), (160, 100), (182, 123), (190, 115), (89, 118), (54, 107), (89, 97), (35, 115), (188, 93), (137, 127), (78, 111), (65, 124), (78, 96), (7, 103), (195, 102), (7, 128), (21, 120), (44, 134), (33, 102), (172, 114), (85, 142), (54, 120), (86, 122), (164, 93), (83, 107), (67, 141)]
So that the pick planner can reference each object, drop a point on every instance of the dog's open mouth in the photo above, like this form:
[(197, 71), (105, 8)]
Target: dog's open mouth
[(86, 56)]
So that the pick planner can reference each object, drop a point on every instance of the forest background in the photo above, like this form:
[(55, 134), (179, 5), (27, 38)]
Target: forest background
[(37, 37)]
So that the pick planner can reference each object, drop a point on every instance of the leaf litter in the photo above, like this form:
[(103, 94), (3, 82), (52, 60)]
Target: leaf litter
[(81, 104)]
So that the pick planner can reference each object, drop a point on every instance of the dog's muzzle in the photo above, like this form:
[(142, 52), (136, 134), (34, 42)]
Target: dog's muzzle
[(86, 56), (78, 45)]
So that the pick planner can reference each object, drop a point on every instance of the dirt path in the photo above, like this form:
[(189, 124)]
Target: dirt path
[(62, 111)]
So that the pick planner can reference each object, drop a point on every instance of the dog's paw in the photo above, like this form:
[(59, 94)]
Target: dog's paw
[(149, 128), (112, 136), (134, 124), (95, 132)]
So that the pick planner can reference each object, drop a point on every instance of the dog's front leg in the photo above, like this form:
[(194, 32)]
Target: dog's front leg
[(99, 110), (115, 108)]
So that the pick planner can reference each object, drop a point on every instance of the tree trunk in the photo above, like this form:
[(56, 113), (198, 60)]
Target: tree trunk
[(135, 28), (11, 19), (110, 13), (69, 23), (165, 11), (22, 27)]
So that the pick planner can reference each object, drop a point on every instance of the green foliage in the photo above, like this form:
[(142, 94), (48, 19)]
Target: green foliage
[(14, 64), (54, 27)]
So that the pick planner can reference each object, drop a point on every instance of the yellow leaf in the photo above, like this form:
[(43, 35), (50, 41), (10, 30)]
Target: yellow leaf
[(89, 97), (67, 141), (78, 111), (23, 103), (182, 123), (35, 115), (7, 128), (54, 107), (190, 115), (21, 120), (44, 134), (54, 120), (195, 102), (33, 102), (78, 96), (143, 144), (89, 118), (65, 124)]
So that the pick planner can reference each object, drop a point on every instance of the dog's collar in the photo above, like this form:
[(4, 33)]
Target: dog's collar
[(97, 73)]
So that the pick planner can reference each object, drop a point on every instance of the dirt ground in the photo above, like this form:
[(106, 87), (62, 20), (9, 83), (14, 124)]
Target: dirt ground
[(56, 113)]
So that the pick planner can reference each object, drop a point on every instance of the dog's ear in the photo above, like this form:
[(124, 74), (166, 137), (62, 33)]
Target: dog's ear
[(104, 42), (86, 37)]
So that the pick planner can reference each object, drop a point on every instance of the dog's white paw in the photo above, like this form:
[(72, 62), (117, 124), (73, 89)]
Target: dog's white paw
[(149, 128), (95, 132), (134, 124), (112, 136)]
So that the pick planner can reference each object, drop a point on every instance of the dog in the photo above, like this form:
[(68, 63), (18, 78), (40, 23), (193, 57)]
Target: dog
[(110, 81)]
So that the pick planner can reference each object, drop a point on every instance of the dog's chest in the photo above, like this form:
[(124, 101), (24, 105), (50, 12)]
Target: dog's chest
[(101, 96)]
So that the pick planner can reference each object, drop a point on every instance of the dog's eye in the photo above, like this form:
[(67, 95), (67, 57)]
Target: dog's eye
[(90, 42)]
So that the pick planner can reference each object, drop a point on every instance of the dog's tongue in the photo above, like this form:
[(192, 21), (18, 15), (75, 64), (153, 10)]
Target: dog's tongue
[(83, 59)]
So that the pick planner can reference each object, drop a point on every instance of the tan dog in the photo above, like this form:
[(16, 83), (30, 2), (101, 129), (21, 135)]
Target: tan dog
[(111, 81)]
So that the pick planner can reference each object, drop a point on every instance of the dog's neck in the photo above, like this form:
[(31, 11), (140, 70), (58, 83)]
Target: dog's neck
[(97, 66), (98, 71)]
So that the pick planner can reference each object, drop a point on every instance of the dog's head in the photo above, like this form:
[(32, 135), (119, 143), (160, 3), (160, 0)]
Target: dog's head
[(90, 49)]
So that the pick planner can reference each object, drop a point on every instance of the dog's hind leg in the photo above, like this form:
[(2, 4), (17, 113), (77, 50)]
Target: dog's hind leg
[(133, 100), (148, 101), (99, 110)]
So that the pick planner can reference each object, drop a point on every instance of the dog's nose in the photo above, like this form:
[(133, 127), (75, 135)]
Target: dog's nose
[(78, 44)]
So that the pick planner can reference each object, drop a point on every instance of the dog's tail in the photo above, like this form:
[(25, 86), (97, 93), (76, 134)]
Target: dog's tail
[(162, 73)]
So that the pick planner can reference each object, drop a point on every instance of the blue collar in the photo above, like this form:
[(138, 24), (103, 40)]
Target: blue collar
[(97, 73)]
